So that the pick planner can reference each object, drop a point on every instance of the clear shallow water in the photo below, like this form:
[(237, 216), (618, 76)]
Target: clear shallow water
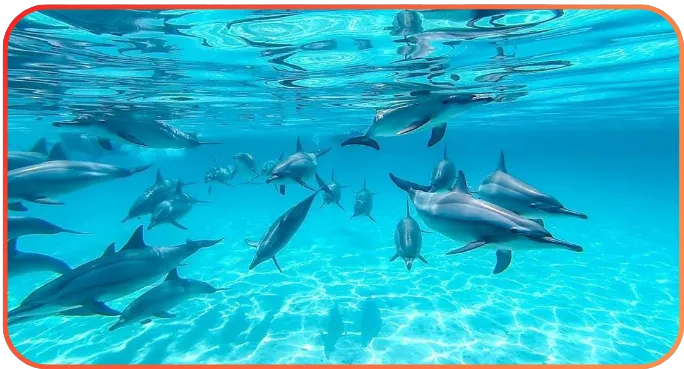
[(588, 113)]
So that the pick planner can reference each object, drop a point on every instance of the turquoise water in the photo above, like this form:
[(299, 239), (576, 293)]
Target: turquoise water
[(587, 111)]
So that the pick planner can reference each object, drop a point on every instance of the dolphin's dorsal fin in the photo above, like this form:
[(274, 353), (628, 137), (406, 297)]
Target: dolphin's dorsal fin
[(408, 213), (173, 275), (12, 246), (160, 178), (136, 241), (109, 250), (332, 177), (179, 188), (502, 163), (299, 145), (445, 152), (57, 152), (40, 146), (461, 183)]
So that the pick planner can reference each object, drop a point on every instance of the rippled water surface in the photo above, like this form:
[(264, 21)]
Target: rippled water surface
[(585, 106)]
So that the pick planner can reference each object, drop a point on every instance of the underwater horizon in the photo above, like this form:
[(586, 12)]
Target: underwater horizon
[(583, 103)]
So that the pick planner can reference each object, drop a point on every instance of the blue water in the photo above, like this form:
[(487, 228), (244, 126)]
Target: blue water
[(588, 113)]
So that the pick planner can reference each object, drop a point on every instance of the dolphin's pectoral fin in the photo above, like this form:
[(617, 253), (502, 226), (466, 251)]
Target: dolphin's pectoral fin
[(438, 132), (251, 243), (178, 225), (146, 321), (130, 138), (362, 140), (414, 126), (538, 221), (394, 257), (44, 200), (164, 315), (275, 261), (99, 308), (340, 205), (503, 260), (371, 218), (471, 246), (282, 189), (16, 206), (105, 143), (301, 182), (422, 258)]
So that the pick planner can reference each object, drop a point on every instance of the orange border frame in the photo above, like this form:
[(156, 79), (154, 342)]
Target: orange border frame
[(349, 7)]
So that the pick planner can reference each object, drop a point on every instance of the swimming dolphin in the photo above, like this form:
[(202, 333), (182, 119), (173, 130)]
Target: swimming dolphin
[(162, 189), (160, 299), (364, 203), (146, 133), (20, 263), (509, 192), (20, 159), (334, 330), (38, 183), (434, 109), (220, 174), (296, 168), (169, 211), (280, 232), (113, 275), (246, 161), (458, 215), (335, 194), (24, 226), (408, 240), (444, 174)]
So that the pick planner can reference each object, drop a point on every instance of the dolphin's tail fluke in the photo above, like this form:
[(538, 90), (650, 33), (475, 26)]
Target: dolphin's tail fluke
[(142, 168), (362, 140), (564, 244), (407, 185)]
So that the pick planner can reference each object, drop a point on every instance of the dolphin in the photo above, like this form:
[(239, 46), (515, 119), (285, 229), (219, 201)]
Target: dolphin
[(408, 240), (434, 110), (169, 211), (220, 174), (38, 183), (24, 226), (509, 192), (371, 321), (162, 189), (113, 275), (20, 263), (444, 174), (458, 215), (335, 191), (160, 299), (246, 161), (281, 231), (364, 203), (334, 330), (37, 155), (146, 133), (296, 168)]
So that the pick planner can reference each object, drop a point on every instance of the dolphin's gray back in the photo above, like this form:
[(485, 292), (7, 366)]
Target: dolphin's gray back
[(505, 190)]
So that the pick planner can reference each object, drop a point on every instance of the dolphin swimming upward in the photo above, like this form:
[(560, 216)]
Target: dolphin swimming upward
[(458, 215), (513, 194), (408, 240), (363, 203), (432, 111), (296, 168)]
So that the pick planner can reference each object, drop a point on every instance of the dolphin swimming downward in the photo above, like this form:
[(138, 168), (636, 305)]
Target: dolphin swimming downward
[(458, 215)]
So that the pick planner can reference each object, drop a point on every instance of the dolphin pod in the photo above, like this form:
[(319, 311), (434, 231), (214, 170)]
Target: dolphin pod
[(169, 211), (162, 190)]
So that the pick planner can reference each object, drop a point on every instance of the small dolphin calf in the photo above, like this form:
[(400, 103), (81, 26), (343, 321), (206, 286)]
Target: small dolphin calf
[(37, 155), (408, 240), (246, 161), (296, 168), (444, 174), (364, 203), (159, 300), (38, 183), (171, 210), (519, 197), (458, 215), (406, 118), (335, 194), (220, 174), (20, 263), (109, 277), (162, 190), (280, 232), (145, 133), (23, 226)]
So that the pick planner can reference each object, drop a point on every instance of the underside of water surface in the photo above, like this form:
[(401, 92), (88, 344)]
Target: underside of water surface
[(584, 104)]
